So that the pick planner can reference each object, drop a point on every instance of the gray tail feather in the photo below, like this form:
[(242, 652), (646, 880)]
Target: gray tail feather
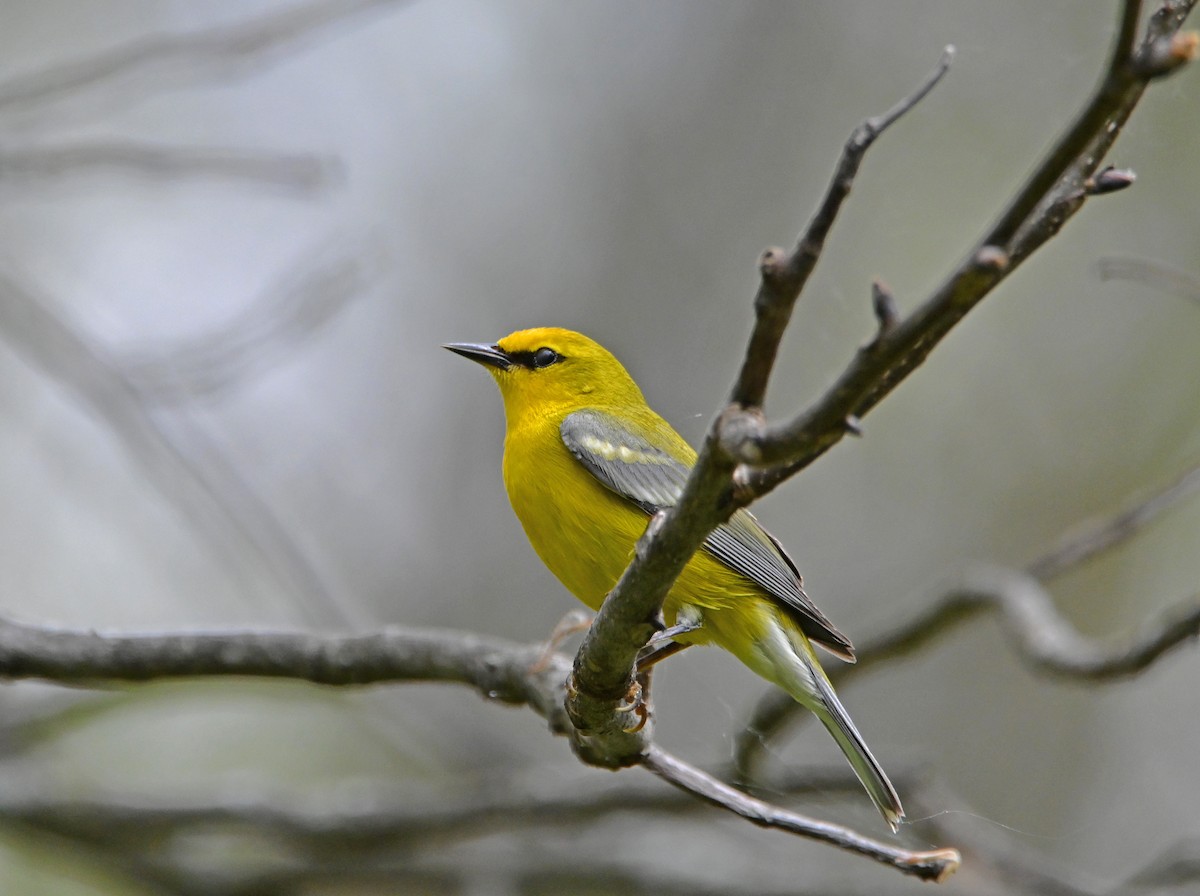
[(837, 720)]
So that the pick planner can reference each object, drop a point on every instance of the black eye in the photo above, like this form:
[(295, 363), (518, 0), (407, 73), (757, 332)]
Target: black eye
[(544, 357)]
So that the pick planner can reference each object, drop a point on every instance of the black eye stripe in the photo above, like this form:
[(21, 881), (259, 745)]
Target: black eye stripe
[(536, 360)]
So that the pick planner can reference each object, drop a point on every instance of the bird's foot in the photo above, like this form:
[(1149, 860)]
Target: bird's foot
[(572, 624), (634, 703), (663, 644)]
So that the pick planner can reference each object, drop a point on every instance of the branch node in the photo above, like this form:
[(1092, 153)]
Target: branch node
[(1166, 54), (943, 862), (884, 304), (652, 529), (774, 264), (739, 434), (743, 486), (991, 258), (1109, 180)]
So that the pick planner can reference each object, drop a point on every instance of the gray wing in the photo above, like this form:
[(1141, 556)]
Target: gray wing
[(626, 462)]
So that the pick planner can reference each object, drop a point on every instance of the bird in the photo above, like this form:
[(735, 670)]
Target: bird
[(587, 463)]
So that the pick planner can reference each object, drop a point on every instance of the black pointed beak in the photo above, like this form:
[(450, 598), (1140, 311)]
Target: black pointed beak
[(491, 355)]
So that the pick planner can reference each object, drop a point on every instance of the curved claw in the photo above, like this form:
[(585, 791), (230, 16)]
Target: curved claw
[(643, 716), (634, 704)]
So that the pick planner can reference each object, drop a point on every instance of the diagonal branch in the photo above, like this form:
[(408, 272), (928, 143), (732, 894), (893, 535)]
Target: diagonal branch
[(603, 667), (1053, 193), (1156, 274), (775, 711), (1089, 540), (210, 495), (784, 276), (215, 51), (934, 865), (1037, 632)]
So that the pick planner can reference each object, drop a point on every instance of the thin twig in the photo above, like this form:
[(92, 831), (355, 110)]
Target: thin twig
[(784, 276), (1052, 194), (307, 298), (1041, 637), (291, 171), (1087, 541), (212, 496), (934, 865), (362, 818), (1156, 274), (215, 51)]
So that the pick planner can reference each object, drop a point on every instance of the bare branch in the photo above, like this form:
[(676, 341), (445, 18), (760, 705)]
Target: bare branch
[(233, 520), (934, 865), (363, 819), (498, 669), (1053, 193), (1163, 277), (1090, 540), (784, 276), (305, 300), (213, 52), (290, 171), (776, 711), (1038, 633), (1043, 639)]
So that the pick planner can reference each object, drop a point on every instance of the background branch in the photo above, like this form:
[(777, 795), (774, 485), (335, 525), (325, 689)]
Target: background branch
[(303, 174), (211, 52), (1038, 633), (496, 669), (1050, 196)]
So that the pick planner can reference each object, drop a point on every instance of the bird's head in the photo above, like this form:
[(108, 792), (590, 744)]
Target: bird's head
[(550, 371)]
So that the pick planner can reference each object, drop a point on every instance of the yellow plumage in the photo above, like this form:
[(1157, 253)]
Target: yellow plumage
[(586, 461)]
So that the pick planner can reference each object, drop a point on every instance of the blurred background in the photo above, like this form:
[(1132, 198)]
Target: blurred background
[(232, 238)]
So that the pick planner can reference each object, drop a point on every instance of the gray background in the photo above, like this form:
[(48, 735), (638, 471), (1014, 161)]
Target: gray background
[(615, 168)]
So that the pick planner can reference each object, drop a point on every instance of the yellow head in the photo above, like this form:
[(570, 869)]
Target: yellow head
[(548, 371)]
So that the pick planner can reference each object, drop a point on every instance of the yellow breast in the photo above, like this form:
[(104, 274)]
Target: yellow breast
[(585, 533)]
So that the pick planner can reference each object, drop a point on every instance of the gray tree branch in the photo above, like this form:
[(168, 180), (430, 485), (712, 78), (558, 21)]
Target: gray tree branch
[(603, 693), (1040, 636), (302, 174), (497, 669), (217, 52)]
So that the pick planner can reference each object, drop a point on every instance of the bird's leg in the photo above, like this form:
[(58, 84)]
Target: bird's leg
[(657, 651), (572, 624), (659, 647), (663, 643)]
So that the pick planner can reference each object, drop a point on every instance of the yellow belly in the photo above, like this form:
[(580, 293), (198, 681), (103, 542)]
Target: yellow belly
[(585, 534)]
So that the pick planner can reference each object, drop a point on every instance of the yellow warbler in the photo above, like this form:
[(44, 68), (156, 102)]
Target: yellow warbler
[(587, 462)]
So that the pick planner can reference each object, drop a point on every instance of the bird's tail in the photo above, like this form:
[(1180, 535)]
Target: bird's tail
[(801, 675)]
